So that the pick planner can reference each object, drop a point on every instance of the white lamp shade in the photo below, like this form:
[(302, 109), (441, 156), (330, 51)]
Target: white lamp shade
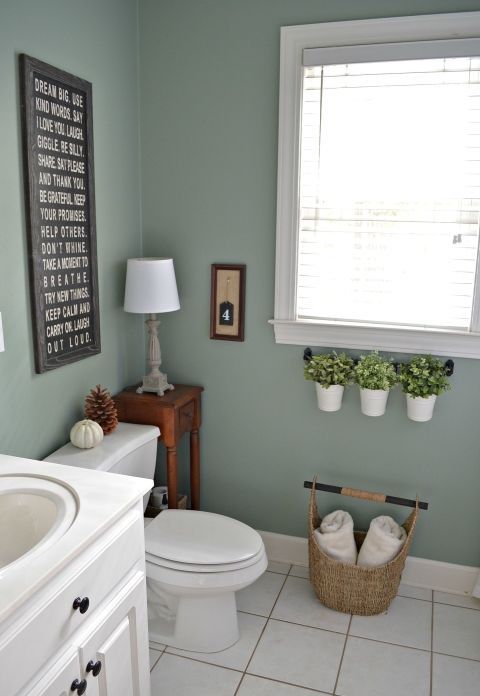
[(151, 287)]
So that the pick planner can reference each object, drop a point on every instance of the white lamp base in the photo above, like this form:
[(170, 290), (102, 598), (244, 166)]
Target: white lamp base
[(155, 382)]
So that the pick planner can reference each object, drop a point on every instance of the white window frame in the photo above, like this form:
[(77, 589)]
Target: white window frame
[(288, 329)]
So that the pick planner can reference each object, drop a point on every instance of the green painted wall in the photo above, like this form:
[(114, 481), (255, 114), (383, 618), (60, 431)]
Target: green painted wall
[(209, 104), (96, 41)]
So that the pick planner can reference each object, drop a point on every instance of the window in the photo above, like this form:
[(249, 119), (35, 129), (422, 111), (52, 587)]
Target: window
[(379, 185)]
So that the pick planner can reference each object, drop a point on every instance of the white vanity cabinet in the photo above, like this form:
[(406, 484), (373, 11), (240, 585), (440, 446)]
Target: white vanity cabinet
[(106, 659), (84, 631)]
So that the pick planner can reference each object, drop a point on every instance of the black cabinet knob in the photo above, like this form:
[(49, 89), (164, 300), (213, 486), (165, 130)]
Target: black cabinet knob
[(94, 667), (82, 604), (79, 686)]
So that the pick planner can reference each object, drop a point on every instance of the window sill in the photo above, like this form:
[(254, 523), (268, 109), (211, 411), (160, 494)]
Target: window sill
[(391, 339)]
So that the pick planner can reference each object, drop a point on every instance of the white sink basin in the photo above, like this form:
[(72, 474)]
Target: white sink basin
[(34, 513)]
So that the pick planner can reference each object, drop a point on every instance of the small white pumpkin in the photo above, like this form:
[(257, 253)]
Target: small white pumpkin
[(86, 434)]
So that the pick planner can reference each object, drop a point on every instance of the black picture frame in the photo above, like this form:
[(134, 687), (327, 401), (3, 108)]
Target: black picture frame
[(57, 131)]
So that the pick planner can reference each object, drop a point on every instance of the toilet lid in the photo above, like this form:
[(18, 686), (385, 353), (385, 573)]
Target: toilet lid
[(203, 538)]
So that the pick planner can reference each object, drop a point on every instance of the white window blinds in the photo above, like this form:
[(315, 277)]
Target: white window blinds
[(389, 199)]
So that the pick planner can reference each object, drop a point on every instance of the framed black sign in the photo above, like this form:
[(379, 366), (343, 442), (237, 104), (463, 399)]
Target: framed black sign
[(227, 301), (60, 213)]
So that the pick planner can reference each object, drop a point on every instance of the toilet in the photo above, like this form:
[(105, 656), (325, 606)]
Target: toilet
[(195, 560)]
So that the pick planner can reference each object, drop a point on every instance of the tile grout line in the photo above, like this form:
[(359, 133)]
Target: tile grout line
[(417, 599), (296, 623), (277, 572), (343, 653), (386, 642), (260, 636), (296, 686), (457, 657), (156, 662), (160, 653), (201, 662), (457, 606)]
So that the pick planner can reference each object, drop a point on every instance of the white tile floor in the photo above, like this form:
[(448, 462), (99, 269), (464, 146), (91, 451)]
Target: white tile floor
[(427, 644)]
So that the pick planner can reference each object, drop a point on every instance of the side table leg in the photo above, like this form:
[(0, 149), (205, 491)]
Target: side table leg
[(195, 469), (172, 476)]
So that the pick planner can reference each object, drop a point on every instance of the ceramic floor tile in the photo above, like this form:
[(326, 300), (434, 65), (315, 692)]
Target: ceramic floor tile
[(299, 655), (379, 669), (278, 567), (257, 686), (407, 622), (238, 655), (456, 631), (260, 597), (452, 675), (177, 676), (299, 571), (456, 600), (415, 592), (298, 603), (154, 655)]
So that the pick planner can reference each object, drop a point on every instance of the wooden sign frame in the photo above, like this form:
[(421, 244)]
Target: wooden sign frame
[(57, 129), (227, 301)]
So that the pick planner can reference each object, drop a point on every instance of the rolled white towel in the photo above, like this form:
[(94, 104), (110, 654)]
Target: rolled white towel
[(383, 542), (335, 537)]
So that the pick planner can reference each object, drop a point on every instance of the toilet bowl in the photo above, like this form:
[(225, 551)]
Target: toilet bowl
[(195, 560)]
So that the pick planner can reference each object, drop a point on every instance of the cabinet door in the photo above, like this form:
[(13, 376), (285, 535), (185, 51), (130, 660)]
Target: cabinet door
[(119, 642), (59, 679)]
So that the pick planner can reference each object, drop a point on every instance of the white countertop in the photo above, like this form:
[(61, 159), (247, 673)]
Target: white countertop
[(102, 498)]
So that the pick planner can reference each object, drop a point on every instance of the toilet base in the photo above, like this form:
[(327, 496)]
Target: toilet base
[(202, 624)]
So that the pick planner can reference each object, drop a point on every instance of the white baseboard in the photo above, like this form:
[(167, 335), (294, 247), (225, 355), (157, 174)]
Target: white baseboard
[(420, 572)]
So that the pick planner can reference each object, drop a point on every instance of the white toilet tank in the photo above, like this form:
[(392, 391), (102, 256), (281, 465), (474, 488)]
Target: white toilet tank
[(131, 450)]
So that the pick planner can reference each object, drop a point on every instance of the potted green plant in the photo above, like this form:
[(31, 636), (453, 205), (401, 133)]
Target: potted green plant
[(375, 377), (423, 378), (331, 373)]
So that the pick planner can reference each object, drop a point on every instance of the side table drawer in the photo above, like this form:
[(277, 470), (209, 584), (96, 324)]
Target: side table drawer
[(186, 416)]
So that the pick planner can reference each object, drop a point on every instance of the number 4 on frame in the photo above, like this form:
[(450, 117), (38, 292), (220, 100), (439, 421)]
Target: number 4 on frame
[(226, 314), (227, 302)]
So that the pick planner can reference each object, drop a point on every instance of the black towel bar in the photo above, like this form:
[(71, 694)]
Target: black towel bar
[(381, 498)]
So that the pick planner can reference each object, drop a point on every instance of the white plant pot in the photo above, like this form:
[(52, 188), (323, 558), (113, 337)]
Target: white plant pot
[(373, 402), (420, 408), (329, 399)]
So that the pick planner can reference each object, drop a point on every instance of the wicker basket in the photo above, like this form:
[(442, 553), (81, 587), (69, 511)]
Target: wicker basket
[(350, 588)]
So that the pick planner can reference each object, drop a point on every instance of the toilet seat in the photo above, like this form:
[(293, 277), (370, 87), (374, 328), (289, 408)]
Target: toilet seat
[(203, 568), (197, 541)]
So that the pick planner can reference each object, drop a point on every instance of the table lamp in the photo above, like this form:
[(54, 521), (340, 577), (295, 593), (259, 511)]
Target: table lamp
[(150, 288)]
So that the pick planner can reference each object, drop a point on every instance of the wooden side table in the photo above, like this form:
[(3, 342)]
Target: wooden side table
[(175, 413)]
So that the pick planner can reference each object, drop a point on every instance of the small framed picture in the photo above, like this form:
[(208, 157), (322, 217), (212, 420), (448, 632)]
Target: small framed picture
[(227, 301)]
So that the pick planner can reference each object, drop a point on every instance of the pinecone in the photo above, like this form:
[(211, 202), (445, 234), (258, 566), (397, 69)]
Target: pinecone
[(100, 407)]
